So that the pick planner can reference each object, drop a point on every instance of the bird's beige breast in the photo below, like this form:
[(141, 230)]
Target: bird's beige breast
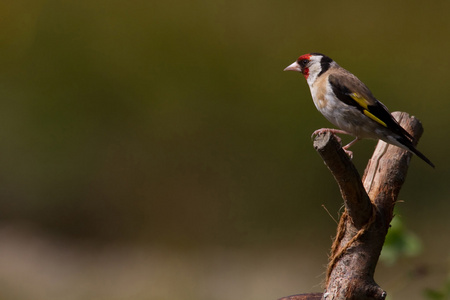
[(319, 91)]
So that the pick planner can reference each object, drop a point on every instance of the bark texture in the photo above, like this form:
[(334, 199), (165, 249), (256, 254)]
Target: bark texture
[(369, 203)]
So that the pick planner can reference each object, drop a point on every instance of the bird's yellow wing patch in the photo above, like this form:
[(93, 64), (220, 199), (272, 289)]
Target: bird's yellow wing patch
[(360, 100), (370, 115), (364, 103)]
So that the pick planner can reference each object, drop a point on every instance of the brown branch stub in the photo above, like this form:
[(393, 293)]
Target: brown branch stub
[(359, 212), (358, 242), (369, 205), (386, 170), (356, 201)]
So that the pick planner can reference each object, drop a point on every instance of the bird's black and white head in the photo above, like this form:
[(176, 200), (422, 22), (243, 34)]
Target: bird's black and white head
[(311, 65)]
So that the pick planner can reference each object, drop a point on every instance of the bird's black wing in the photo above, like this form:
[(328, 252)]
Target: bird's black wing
[(350, 90)]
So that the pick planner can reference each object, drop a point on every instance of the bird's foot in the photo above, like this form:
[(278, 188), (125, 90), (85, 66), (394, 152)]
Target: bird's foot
[(349, 153), (345, 148), (337, 131), (331, 130)]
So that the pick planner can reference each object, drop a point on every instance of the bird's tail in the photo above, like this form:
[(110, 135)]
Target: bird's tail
[(408, 144), (419, 154)]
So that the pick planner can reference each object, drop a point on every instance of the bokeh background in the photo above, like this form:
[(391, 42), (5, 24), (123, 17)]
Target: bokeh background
[(156, 150)]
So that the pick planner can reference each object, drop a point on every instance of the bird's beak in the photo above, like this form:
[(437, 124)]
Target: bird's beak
[(293, 67)]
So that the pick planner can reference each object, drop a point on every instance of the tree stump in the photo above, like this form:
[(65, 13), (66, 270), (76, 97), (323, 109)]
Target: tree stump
[(369, 203)]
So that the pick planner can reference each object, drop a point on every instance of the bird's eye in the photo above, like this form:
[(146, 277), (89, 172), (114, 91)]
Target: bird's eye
[(303, 62)]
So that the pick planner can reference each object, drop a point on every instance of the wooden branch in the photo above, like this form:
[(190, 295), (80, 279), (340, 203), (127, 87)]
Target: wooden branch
[(356, 201), (386, 170), (369, 205)]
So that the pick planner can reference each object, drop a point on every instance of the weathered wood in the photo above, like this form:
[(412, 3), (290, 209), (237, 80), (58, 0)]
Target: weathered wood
[(386, 170), (369, 205), (357, 248), (356, 200)]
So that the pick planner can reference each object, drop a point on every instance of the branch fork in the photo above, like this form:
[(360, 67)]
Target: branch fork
[(369, 203)]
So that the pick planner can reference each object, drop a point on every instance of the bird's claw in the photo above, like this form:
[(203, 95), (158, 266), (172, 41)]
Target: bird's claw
[(325, 130), (349, 153), (335, 132)]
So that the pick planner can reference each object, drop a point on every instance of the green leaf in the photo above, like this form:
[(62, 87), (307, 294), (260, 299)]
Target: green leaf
[(400, 242)]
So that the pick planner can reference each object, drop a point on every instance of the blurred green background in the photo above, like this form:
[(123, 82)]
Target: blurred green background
[(156, 149)]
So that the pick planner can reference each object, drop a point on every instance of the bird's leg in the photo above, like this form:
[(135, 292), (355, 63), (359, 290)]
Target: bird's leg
[(345, 148)]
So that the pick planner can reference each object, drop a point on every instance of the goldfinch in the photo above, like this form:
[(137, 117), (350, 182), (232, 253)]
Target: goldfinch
[(348, 103)]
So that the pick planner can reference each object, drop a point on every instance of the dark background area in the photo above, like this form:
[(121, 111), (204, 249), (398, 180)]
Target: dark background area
[(156, 149)]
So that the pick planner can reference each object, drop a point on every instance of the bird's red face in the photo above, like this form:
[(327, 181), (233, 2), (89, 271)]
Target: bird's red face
[(301, 65), (303, 61)]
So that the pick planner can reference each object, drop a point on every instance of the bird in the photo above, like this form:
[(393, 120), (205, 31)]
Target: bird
[(347, 103)]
